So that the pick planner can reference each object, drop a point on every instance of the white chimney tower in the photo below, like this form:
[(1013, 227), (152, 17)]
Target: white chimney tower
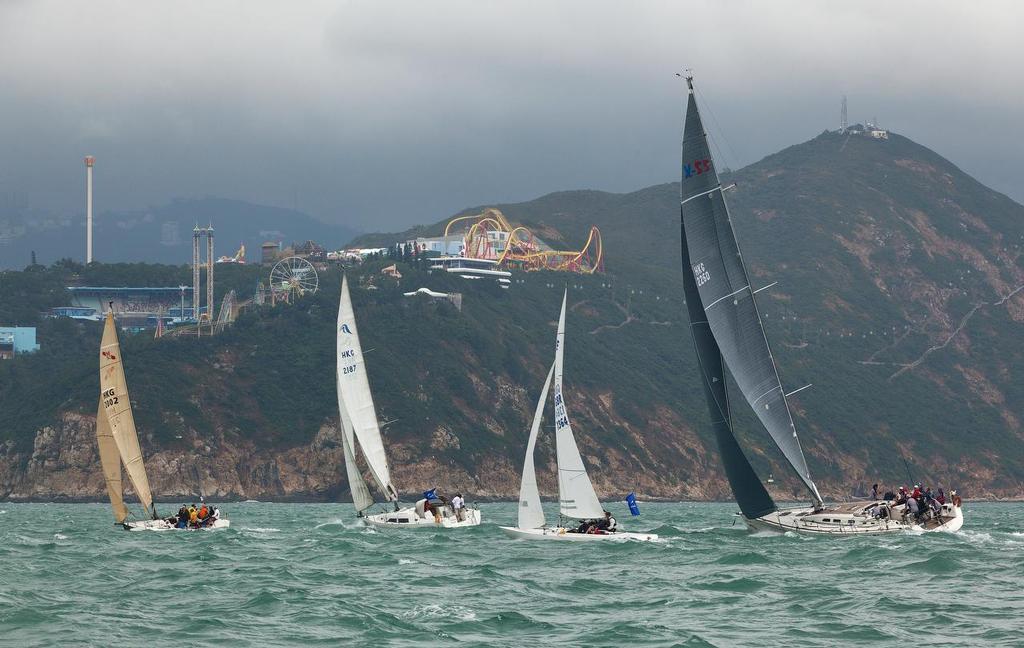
[(89, 162)]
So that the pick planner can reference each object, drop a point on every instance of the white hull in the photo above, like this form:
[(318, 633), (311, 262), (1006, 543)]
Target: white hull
[(162, 525), (561, 533), (408, 518), (854, 519)]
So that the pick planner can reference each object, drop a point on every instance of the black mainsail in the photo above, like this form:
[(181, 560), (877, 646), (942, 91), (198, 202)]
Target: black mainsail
[(726, 325)]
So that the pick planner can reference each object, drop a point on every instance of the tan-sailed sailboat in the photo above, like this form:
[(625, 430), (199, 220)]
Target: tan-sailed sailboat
[(119, 442)]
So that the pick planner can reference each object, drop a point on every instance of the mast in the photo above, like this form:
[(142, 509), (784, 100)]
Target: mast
[(719, 284)]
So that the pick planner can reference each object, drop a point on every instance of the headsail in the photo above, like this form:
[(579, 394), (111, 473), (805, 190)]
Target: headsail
[(355, 398), (726, 295), (576, 494), (361, 497), (110, 459), (751, 495), (117, 408), (531, 515)]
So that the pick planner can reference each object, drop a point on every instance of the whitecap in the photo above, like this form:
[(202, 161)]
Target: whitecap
[(406, 561), (60, 536), (457, 612), (977, 536), (261, 529)]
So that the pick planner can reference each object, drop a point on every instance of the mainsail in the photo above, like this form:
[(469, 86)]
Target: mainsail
[(354, 396), (576, 494), (117, 411), (713, 257), (531, 515), (110, 458)]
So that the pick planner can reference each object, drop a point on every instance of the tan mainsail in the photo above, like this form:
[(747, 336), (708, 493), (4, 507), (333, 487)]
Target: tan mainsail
[(115, 404), (111, 460)]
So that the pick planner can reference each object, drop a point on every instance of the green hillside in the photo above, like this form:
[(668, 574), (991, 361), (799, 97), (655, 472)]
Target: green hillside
[(895, 297)]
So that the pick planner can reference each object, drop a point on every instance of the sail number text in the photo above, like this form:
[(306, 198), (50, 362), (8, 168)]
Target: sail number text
[(700, 275), (109, 398), (697, 167)]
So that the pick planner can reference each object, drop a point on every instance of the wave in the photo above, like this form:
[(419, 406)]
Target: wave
[(260, 529)]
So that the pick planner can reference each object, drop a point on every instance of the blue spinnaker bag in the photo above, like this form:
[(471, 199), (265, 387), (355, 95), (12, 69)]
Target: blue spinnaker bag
[(430, 494), (631, 502)]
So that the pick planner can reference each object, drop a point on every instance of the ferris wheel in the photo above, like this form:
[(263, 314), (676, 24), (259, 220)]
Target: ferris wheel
[(294, 275)]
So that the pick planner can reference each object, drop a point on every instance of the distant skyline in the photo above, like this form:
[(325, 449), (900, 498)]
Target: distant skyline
[(382, 115)]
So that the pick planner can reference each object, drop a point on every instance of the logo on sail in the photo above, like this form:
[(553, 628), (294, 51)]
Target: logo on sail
[(697, 167), (345, 329), (109, 355)]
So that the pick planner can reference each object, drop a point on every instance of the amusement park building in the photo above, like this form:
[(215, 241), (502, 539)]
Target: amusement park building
[(133, 306), (17, 339)]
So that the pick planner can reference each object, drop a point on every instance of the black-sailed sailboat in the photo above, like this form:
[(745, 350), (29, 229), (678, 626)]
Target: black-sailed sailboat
[(727, 332)]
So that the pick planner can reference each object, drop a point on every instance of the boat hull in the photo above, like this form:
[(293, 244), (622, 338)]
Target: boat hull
[(162, 525), (408, 518), (562, 534), (854, 519)]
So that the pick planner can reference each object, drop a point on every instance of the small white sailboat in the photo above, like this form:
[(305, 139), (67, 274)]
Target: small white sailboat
[(119, 441), (727, 332), (360, 430), (576, 496)]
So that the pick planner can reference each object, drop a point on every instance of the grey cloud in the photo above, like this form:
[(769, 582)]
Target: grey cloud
[(384, 114)]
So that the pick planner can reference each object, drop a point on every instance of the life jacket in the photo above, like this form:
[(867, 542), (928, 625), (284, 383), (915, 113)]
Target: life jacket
[(203, 512)]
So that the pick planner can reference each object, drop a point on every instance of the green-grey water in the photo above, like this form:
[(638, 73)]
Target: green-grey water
[(308, 574)]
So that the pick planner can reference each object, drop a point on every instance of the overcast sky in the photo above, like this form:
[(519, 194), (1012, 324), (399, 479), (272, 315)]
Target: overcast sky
[(384, 114)]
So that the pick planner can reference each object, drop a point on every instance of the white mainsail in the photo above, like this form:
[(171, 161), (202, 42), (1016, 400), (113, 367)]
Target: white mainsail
[(577, 498), (355, 399), (110, 459), (531, 515), (117, 411)]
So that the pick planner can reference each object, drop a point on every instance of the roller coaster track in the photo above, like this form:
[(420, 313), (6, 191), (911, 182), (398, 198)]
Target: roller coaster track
[(521, 248)]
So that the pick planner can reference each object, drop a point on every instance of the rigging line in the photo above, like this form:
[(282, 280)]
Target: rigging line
[(721, 132)]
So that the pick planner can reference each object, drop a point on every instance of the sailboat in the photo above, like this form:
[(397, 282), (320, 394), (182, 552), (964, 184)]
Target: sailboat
[(118, 440), (576, 496), (727, 332), (361, 431)]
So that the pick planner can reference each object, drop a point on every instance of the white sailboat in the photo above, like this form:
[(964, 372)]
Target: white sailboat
[(118, 440), (727, 332), (576, 496), (361, 431)]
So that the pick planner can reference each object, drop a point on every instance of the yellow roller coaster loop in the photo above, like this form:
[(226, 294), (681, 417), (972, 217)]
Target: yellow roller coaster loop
[(521, 248)]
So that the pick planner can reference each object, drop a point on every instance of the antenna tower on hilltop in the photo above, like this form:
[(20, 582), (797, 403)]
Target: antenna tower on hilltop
[(843, 123)]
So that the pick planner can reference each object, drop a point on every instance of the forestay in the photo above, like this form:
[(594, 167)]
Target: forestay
[(110, 459), (116, 406), (354, 395), (727, 296), (577, 498), (531, 515)]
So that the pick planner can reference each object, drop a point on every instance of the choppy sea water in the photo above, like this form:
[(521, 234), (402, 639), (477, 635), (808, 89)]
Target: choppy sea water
[(309, 574)]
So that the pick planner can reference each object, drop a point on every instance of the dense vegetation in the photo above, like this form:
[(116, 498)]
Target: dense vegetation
[(880, 250)]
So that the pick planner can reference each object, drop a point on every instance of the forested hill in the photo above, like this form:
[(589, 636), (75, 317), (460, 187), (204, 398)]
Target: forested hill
[(898, 296)]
